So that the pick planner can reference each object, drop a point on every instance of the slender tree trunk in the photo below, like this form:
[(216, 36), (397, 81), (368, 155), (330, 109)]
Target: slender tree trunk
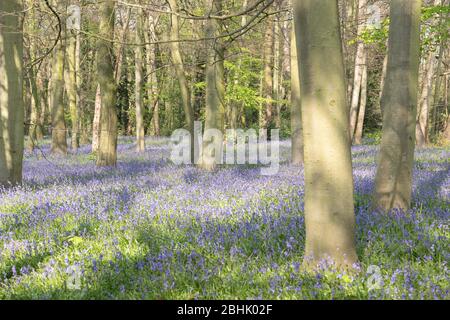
[(59, 142), (43, 89), (267, 84), (140, 131), (107, 150), (393, 179), (296, 110), (276, 74), (78, 82), (215, 87), (35, 111), (360, 61), (424, 102), (382, 81), (329, 211), (35, 131), (180, 72), (237, 106), (362, 108), (71, 85), (11, 93), (152, 82), (120, 52), (96, 122)]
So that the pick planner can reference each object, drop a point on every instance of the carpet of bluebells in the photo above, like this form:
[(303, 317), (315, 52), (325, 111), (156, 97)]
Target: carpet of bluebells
[(151, 230)]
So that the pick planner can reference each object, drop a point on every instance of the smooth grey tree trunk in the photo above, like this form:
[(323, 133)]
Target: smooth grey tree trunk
[(107, 149), (393, 181), (296, 110), (59, 134), (96, 122), (266, 113), (357, 138), (360, 61), (138, 90), (11, 93), (329, 211), (152, 82), (181, 75), (70, 73), (215, 86)]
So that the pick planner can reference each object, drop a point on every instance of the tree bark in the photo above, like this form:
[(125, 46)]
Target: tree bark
[(71, 85), (362, 108), (59, 141), (107, 150), (267, 84), (120, 52), (276, 74), (181, 75), (35, 131), (329, 211), (152, 81), (215, 85), (360, 61), (140, 131), (393, 179), (11, 93), (96, 122), (296, 110)]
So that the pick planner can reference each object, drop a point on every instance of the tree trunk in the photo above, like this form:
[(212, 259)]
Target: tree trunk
[(59, 142), (152, 81), (296, 111), (424, 102), (276, 74), (140, 131), (35, 111), (362, 108), (215, 87), (35, 131), (96, 122), (382, 81), (329, 211), (107, 149), (78, 81), (360, 61), (120, 52), (71, 85), (180, 72), (237, 106), (11, 93), (267, 84), (394, 173)]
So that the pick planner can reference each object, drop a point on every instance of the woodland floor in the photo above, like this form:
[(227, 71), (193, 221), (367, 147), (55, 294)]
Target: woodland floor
[(151, 230)]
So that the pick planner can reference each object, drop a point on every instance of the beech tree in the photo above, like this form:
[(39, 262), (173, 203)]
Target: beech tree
[(11, 93), (138, 90), (393, 181), (107, 148), (59, 139), (296, 112), (215, 85), (329, 211)]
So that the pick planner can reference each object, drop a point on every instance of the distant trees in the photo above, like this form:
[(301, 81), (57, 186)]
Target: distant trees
[(11, 93), (329, 212), (393, 182)]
